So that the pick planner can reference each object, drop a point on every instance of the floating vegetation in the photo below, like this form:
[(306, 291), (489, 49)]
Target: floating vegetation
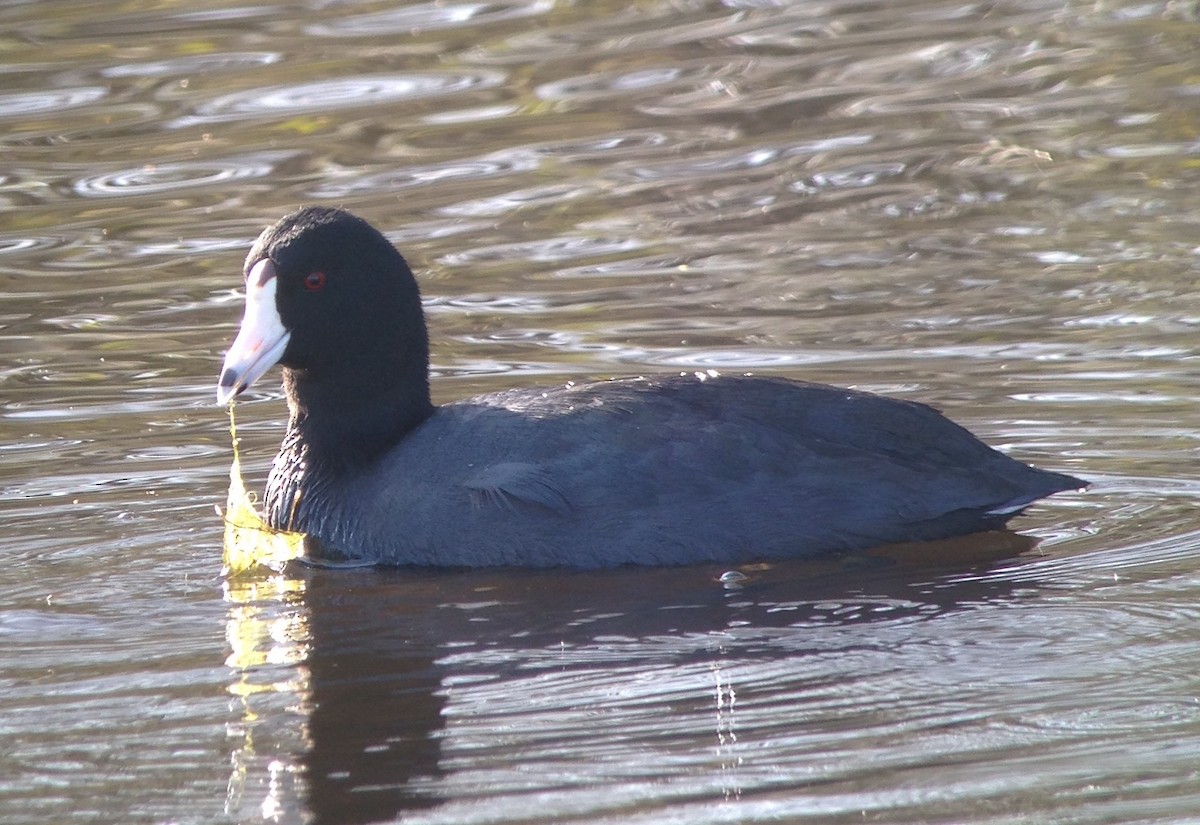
[(249, 541)]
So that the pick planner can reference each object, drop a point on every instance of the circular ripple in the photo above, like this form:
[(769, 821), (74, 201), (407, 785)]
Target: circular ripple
[(172, 177), (342, 93), (22, 104)]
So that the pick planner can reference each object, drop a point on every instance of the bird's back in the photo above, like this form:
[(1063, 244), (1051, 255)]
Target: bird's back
[(669, 471)]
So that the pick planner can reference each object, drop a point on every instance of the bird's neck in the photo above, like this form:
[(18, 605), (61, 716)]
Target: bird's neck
[(334, 431), (348, 422)]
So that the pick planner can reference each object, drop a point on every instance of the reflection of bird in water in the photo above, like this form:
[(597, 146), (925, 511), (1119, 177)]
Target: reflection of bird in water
[(411, 685)]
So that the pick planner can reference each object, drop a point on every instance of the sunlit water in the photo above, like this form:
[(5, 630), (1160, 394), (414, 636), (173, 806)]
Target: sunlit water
[(987, 207)]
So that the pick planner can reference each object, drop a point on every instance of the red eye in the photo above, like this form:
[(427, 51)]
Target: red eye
[(314, 281)]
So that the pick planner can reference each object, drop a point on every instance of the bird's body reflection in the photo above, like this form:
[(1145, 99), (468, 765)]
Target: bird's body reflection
[(417, 689), (374, 699)]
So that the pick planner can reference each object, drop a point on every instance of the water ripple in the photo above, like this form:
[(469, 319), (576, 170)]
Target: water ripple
[(549, 195), (23, 104), (339, 93), (11, 246), (546, 250), (172, 177), (227, 61), (188, 246), (429, 17), (624, 31), (473, 169), (600, 85), (739, 159)]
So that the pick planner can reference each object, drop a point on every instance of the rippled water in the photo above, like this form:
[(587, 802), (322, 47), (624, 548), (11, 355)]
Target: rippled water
[(988, 207)]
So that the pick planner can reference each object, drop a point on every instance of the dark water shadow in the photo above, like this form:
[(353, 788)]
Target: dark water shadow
[(382, 646)]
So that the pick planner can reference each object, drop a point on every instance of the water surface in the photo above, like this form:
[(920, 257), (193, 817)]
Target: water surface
[(986, 207)]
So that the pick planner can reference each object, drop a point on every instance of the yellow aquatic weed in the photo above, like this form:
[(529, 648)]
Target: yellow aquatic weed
[(249, 541)]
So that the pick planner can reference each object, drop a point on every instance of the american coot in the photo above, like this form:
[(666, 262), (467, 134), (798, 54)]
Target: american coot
[(659, 470)]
